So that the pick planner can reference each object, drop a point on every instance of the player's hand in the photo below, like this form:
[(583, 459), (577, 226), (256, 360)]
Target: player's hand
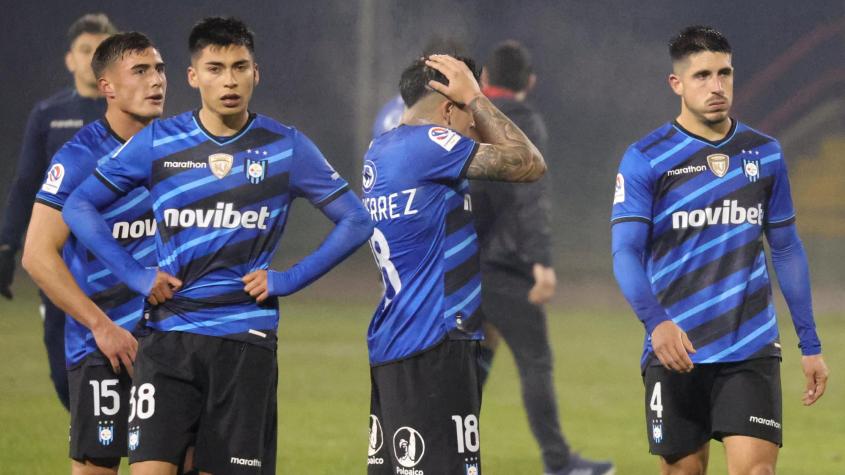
[(256, 285), (462, 88), (117, 344), (545, 282), (7, 270), (672, 347), (163, 287), (815, 370)]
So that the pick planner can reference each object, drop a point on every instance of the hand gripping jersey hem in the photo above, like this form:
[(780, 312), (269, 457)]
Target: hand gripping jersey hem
[(108, 183), (46, 202), (468, 161)]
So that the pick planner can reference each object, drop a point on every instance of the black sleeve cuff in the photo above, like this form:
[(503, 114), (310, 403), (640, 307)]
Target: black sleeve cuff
[(44, 202), (781, 224), (335, 195), (471, 156), (108, 184), (630, 218)]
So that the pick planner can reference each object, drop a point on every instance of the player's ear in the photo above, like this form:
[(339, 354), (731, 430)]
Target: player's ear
[(256, 78), (105, 87), (69, 62), (446, 108), (192, 77), (676, 84)]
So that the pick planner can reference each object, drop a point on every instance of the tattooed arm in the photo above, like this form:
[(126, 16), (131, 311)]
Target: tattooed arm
[(506, 153)]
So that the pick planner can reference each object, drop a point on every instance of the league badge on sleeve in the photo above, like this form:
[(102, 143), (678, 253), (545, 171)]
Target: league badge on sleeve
[(54, 179), (751, 165), (444, 137), (619, 195), (256, 170)]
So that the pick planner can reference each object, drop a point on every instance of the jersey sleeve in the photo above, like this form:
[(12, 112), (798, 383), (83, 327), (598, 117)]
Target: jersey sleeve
[(633, 197), (780, 211), (62, 177), (444, 154), (311, 176), (129, 166)]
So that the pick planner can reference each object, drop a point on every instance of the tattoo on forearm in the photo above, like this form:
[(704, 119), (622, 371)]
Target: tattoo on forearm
[(507, 154)]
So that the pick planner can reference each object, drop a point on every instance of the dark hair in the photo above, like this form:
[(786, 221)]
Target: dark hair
[(697, 38), (509, 66), (115, 47), (219, 31), (413, 84), (94, 23), (444, 45)]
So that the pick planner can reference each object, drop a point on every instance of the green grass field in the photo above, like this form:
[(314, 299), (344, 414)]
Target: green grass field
[(324, 393)]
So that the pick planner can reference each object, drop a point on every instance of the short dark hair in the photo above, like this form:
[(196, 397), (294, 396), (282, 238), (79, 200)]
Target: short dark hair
[(509, 66), (94, 23), (697, 38), (115, 47), (220, 31), (413, 84)]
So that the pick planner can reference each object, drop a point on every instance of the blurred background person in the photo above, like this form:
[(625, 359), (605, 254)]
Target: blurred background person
[(52, 122), (512, 221)]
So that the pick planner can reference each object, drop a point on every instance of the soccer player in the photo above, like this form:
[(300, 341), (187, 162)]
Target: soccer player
[(130, 74), (693, 201), (51, 123), (221, 182), (423, 338), (512, 221)]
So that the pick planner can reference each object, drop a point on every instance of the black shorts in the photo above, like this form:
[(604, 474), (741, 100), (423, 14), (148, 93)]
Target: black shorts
[(215, 394), (424, 413), (99, 407), (683, 411)]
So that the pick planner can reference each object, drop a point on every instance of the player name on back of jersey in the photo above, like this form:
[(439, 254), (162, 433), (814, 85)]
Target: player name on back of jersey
[(392, 206)]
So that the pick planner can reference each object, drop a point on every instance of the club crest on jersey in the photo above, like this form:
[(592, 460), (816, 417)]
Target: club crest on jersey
[(54, 179), (751, 165), (718, 163), (408, 447), (368, 176), (444, 137), (134, 437), (255, 170), (220, 164), (105, 430), (657, 431)]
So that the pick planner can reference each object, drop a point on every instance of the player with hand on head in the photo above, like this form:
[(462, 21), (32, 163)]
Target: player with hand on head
[(423, 338), (51, 124), (98, 343), (221, 180), (693, 201)]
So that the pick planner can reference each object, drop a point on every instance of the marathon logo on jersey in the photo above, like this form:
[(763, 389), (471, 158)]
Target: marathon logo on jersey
[(245, 462), (54, 179), (186, 164), (751, 165), (686, 170), (719, 164), (657, 431), (135, 229), (444, 137), (368, 176), (66, 124), (408, 448), (729, 213), (222, 216), (619, 195), (105, 430), (221, 164), (134, 437), (376, 442), (256, 170)]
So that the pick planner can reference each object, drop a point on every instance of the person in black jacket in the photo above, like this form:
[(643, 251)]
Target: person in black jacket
[(51, 123), (512, 222)]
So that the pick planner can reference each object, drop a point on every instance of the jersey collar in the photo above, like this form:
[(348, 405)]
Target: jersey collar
[(223, 140), (713, 143)]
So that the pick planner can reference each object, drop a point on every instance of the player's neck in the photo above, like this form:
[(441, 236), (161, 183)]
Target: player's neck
[(86, 90), (708, 130), (222, 125), (123, 124)]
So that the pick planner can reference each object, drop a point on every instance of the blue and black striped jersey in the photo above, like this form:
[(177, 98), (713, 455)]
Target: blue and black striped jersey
[(221, 207), (424, 242), (129, 218), (709, 204)]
